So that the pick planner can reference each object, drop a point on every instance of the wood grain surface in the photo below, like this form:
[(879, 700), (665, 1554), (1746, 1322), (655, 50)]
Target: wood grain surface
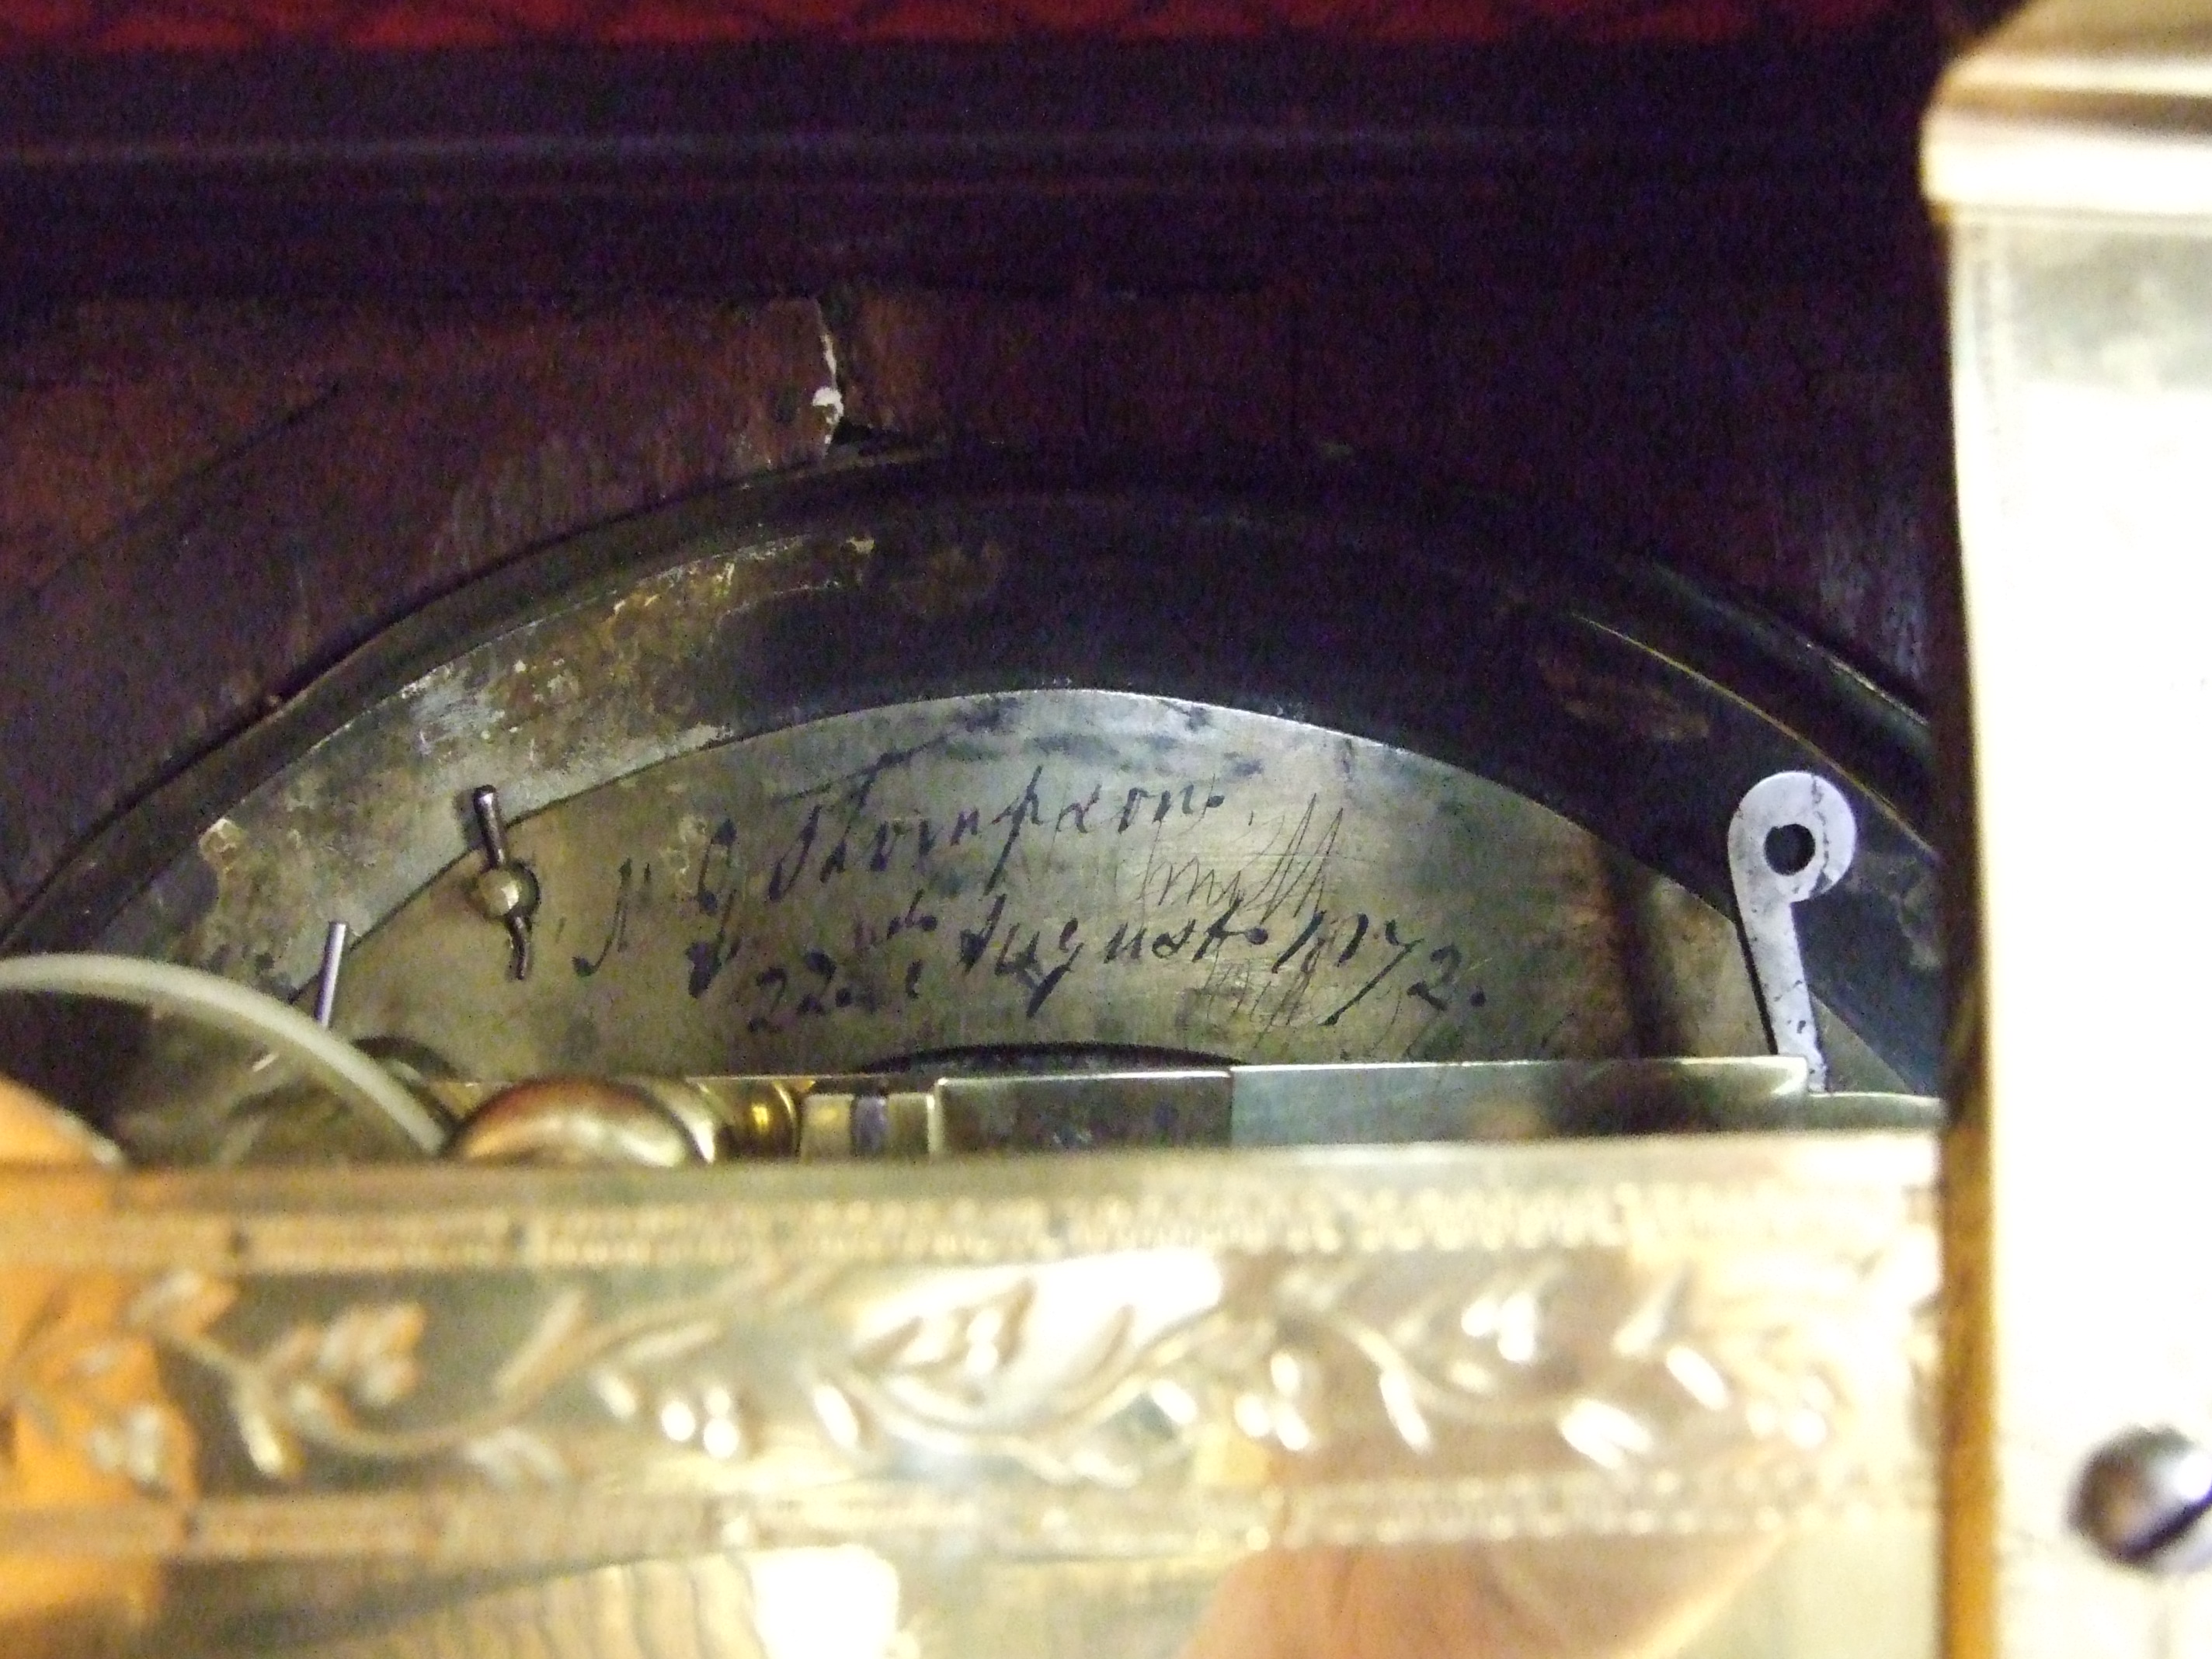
[(203, 506), (200, 509)]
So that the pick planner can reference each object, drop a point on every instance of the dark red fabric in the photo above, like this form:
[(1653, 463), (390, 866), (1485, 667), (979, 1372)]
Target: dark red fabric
[(226, 25)]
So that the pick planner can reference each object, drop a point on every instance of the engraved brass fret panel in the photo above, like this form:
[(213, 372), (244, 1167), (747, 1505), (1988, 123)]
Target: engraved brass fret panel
[(1120, 1355)]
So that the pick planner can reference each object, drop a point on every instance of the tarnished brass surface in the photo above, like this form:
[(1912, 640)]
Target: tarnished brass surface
[(1050, 870), (1061, 870), (1163, 1359)]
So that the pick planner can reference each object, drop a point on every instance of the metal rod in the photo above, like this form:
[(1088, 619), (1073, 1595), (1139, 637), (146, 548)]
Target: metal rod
[(327, 988), (486, 801)]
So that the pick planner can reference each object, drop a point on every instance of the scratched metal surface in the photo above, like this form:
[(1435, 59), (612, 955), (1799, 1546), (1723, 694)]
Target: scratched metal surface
[(1055, 868), (743, 614)]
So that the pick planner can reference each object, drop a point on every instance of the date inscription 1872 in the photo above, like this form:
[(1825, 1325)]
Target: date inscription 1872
[(1076, 868)]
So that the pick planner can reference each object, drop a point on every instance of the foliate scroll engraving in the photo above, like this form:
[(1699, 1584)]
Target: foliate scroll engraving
[(1726, 1353)]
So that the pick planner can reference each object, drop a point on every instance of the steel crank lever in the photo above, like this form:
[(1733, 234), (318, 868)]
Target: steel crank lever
[(1792, 839)]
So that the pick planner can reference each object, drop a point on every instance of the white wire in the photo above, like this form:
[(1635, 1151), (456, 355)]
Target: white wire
[(240, 1011)]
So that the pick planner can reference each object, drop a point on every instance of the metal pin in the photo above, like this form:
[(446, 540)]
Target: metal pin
[(326, 988), (486, 801), (1791, 838), (518, 938), (506, 890)]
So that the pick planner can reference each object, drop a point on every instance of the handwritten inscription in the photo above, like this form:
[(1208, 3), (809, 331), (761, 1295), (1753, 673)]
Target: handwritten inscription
[(849, 911)]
